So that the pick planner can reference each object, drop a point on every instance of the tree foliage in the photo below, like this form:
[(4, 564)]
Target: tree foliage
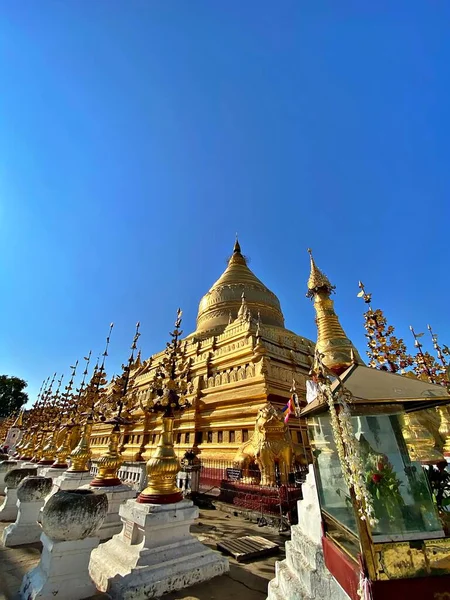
[(12, 396)]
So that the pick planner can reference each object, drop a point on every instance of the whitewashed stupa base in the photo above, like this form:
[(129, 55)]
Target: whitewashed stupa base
[(71, 480), (62, 571), (50, 472), (117, 495), (9, 509), (26, 529), (155, 553)]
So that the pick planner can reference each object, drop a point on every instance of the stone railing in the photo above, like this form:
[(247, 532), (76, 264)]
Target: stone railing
[(133, 474)]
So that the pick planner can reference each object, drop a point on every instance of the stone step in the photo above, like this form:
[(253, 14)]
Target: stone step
[(318, 583), (311, 552), (290, 585), (274, 592), (297, 564)]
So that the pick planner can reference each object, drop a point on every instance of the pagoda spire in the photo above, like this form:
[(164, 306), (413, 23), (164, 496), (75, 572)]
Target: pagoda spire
[(237, 246), (19, 421), (336, 350), (317, 280), (237, 257)]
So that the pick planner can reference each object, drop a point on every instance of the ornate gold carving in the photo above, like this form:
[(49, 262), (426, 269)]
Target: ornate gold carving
[(63, 449), (163, 466), (402, 560), (48, 452), (269, 444), (419, 440), (444, 427), (81, 454), (110, 462)]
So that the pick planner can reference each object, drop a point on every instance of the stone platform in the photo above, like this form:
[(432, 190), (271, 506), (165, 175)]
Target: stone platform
[(154, 554), (245, 580)]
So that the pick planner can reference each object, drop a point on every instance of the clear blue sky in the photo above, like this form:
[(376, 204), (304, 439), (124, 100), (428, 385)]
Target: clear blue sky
[(136, 138)]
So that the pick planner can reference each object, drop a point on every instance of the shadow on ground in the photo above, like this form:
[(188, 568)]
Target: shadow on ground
[(245, 580)]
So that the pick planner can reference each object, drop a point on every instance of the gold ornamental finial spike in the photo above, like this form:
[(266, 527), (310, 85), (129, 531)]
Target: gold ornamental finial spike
[(237, 258), (317, 280), (19, 421), (237, 247), (108, 338), (333, 346)]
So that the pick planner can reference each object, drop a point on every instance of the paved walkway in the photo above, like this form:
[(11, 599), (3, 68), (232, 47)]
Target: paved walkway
[(247, 581)]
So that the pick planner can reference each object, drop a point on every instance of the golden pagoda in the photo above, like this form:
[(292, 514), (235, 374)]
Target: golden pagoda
[(241, 359)]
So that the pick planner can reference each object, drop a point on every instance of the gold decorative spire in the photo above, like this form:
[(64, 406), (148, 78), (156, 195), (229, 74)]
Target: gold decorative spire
[(19, 421), (225, 296), (138, 362), (336, 350), (237, 247), (317, 280)]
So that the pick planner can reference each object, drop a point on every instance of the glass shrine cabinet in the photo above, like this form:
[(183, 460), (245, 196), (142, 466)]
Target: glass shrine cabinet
[(408, 545)]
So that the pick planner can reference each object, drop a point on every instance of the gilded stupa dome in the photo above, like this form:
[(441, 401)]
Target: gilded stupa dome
[(221, 304)]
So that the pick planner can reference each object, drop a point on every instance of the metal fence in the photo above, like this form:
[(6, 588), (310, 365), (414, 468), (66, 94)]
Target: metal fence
[(245, 489)]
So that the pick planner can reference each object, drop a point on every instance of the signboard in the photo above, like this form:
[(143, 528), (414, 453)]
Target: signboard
[(128, 530), (234, 474)]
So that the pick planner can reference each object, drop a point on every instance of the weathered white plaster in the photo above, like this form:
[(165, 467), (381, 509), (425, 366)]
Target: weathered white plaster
[(9, 509), (154, 553), (26, 529), (70, 480), (116, 495), (303, 574), (62, 571), (69, 520), (50, 472), (13, 437), (5, 467)]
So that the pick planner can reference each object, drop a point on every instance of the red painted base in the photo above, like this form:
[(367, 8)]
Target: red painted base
[(159, 498), (60, 466), (344, 570), (105, 482), (45, 463), (28, 458)]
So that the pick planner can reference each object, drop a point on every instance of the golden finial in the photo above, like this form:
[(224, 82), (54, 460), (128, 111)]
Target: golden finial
[(19, 421), (125, 379), (169, 390), (110, 462), (317, 280), (237, 258), (138, 362), (237, 247), (337, 351)]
